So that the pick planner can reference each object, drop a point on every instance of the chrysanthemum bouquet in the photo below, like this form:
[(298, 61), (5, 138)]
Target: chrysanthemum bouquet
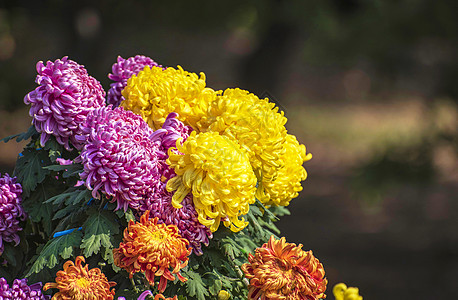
[(162, 187)]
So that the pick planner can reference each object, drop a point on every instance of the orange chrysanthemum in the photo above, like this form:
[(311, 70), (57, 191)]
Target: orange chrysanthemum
[(152, 249), (283, 271), (77, 282)]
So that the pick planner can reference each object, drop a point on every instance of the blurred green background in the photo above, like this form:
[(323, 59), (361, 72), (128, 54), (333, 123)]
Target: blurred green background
[(369, 86)]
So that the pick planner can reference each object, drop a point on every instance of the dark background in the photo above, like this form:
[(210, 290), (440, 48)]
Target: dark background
[(368, 86)]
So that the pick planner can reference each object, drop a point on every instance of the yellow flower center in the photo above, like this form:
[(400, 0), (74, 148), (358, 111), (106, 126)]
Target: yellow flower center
[(83, 283), (157, 236)]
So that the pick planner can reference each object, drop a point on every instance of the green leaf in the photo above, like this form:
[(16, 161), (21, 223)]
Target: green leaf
[(61, 246), (29, 169), (53, 148), (71, 196), (21, 136), (215, 287), (280, 211), (9, 254), (98, 229), (128, 215), (69, 170), (36, 208), (195, 286)]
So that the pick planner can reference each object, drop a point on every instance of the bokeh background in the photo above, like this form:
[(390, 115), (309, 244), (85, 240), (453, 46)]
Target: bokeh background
[(370, 87)]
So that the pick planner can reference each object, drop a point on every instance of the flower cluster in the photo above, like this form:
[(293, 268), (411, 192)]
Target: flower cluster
[(281, 270), (254, 125), (178, 158), (153, 249), (78, 282), (11, 211), (63, 100), (21, 291)]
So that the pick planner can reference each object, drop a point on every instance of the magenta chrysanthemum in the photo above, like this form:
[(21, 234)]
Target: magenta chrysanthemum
[(119, 158), (11, 211), (21, 291), (185, 218), (122, 71), (63, 100), (167, 136)]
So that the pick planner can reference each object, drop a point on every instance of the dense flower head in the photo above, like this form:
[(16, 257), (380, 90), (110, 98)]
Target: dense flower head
[(11, 210), (283, 271), (342, 292), (119, 158), (77, 282), (21, 291), (287, 185), (122, 70), (66, 94), (256, 124), (156, 92), (218, 173), (185, 218), (153, 249)]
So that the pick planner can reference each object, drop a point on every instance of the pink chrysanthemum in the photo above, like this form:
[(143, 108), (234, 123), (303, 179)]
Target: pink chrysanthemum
[(167, 136), (63, 100), (119, 158), (122, 70), (11, 211), (21, 291), (185, 218)]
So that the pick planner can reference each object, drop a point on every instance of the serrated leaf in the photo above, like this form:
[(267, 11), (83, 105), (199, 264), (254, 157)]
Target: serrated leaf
[(53, 148), (269, 225), (280, 211), (57, 247), (37, 210), (9, 254), (64, 212), (98, 228), (195, 286), (35, 205), (69, 170), (29, 169), (266, 211), (245, 244), (230, 247), (71, 196), (215, 287), (21, 136)]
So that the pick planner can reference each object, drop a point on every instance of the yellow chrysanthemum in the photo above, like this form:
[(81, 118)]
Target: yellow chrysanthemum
[(77, 282), (258, 127), (219, 175), (283, 271), (153, 249), (342, 292), (287, 185), (154, 93)]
